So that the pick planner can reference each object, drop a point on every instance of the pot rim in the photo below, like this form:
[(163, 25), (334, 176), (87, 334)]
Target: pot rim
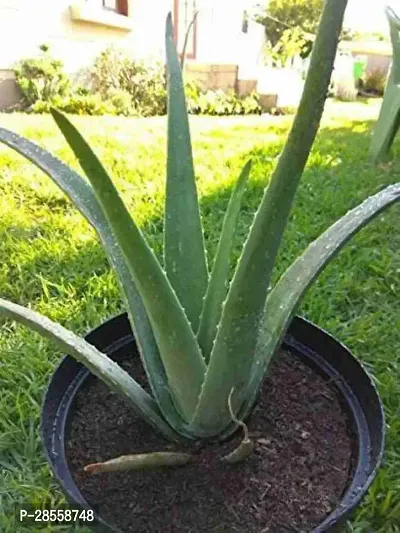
[(350, 499)]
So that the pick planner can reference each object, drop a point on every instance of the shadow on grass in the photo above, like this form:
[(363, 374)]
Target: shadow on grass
[(356, 298), (338, 177)]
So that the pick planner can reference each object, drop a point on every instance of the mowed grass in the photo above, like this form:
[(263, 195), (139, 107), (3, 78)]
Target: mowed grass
[(50, 259)]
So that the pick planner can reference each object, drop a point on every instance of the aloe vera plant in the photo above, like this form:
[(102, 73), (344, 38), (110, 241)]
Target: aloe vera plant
[(205, 341)]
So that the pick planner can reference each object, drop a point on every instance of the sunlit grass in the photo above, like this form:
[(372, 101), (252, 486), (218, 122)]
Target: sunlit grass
[(50, 259)]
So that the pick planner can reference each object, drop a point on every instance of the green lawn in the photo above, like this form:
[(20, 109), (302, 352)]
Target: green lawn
[(50, 258)]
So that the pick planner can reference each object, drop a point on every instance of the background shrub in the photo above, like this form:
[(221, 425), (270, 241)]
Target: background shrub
[(122, 102), (42, 78), (116, 75), (375, 82), (77, 104), (116, 85), (220, 103)]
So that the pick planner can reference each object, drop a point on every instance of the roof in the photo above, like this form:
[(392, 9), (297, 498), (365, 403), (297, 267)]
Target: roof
[(381, 48)]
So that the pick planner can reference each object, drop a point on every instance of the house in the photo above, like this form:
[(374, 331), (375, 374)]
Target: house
[(369, 20), (223, 48), (378, 54)]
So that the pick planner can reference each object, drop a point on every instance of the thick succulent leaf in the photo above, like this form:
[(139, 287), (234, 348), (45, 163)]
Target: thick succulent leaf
[(286, 295), (217, 286), (179, 350), (82, 195), (232, 355), (97, 362), (184, 251)]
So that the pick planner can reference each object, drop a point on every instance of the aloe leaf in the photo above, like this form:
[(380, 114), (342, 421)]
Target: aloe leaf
[(217, 286), (184, 251), (179, 350), (97, 362), (82, 195), (286, 295), (233, 351), (140, 461)]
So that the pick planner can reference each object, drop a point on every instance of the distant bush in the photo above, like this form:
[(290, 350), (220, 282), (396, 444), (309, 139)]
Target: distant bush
[(77, 104), (122, 103), (114, 75), (42, 78), (117, 85), (220, 103), (375, 82), (250, 105)]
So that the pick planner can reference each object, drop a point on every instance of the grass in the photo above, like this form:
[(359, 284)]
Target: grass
[(50, 259)]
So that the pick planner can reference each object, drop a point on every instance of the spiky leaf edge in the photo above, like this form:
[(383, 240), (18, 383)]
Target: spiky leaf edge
[(97, 362), (286, 295), (184, 251), (82, 196), (179, 350), (232, 356), (217, 286)]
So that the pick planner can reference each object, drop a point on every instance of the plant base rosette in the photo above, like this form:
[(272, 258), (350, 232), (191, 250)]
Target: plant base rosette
[(318, 432)]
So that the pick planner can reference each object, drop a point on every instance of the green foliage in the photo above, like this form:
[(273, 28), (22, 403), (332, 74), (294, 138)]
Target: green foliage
[(42, 78), (375, 82), (280, 15), (347, 34), (114, 75), (114, 85), (201, 384), (117, 85), (91, 104), (44, 47), (121, 101), (79, 104), (109, 71), (250, 105), (220, 103), (293, 42)]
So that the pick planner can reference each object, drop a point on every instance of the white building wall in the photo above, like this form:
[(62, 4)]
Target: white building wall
[(220, 37), (25, 24)]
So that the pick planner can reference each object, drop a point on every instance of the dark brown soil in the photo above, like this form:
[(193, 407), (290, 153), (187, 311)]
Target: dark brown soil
[(294, 479)]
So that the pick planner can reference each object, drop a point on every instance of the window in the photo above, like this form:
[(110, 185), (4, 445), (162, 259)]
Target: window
[(184, 12), (110, 13), (118, 6), (112, 5)]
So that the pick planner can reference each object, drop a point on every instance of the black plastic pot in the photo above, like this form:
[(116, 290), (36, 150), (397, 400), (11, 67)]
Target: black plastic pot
[(312, 345)]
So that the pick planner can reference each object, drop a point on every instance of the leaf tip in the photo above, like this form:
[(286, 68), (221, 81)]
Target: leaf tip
[(93, 468), (169, 28)]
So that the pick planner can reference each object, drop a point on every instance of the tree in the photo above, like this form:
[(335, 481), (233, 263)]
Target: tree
[(292, 43), (280, 15)]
